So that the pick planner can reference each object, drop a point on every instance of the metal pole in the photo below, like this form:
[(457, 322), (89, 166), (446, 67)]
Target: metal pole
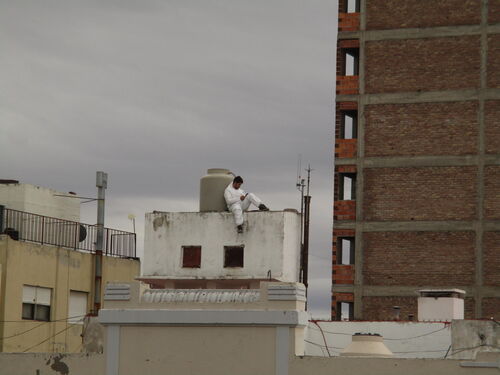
[(101, 184), (305, 260)]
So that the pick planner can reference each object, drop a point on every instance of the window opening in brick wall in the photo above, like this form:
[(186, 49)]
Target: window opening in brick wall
[(345, 250), (345, 311), (347, 186), (233, 256), (349, 124), (352, 6), (36, 303), (351, 61), (191, 256)]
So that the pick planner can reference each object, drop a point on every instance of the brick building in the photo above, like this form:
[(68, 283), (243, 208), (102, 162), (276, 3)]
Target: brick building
[(417, 156)]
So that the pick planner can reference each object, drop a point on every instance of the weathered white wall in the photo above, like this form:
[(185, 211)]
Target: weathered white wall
[(404, 339), (473, 336), (39, 200), (271, 241), (442, 309)]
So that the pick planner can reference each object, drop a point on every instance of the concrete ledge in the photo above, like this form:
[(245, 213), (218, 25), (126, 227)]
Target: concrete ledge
[(204, 317)]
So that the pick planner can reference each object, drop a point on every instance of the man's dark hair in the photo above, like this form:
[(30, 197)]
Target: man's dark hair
[(238, 179)]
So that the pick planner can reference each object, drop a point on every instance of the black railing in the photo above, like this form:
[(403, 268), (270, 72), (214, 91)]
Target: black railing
[(26, 226)]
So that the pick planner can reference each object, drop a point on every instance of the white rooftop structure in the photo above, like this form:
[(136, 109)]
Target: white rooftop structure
[(203, 249), (39, 200)]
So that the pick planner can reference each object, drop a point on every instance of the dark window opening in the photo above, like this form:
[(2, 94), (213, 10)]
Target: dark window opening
[(233, 256), (36, 312), (351, 61), (345, 311), (352, 6), (347, 186), (349, 124), (345, 250), (191, 256)]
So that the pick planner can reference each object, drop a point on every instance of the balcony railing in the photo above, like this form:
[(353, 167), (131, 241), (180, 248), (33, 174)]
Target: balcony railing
[(26, 226)]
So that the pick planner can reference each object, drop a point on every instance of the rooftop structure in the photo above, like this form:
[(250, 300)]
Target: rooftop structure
[(203, 250)]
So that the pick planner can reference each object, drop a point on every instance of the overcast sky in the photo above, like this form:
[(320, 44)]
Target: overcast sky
[(156, 92)]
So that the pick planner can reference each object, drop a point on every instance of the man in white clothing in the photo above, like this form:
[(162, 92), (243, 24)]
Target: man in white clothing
[(238, 201)]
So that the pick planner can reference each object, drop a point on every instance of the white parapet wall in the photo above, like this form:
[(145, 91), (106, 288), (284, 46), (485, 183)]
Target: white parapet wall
[(404, 339), (271, 243)]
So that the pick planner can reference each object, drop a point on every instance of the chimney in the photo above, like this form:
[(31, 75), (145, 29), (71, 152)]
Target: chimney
[(441, 305)]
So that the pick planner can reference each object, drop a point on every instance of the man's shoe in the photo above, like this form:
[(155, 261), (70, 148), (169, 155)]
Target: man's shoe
[(263, 207), (239, 228)]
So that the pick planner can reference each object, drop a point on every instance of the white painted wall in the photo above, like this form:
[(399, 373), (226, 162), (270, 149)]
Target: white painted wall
[(404, 339), (271, 241), (39, 200)]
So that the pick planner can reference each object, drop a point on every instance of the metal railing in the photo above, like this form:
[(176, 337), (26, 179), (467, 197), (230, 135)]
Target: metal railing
[(31, 227)]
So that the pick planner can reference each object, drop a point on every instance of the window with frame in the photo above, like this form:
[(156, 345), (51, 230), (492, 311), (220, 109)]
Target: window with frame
[(352, 6), (36, 303), (233, 256), (345, 311), (345, 250), (77, 308), (191, 256), (347, 186), (349, 124), (351, 61)]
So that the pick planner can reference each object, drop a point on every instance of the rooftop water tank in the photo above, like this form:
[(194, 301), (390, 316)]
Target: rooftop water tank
[(212, 188)]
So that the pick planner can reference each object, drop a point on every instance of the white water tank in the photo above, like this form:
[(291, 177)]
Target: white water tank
[(212, 188)]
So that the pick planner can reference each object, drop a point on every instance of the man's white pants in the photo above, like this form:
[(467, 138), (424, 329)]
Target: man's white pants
[(238, 207)]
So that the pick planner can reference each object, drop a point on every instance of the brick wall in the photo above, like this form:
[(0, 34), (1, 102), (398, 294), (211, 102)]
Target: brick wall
[(491, 308), (348, 21), (418, 258), (345, 148), (421, 129), (437, 193), (422, 64), (491, 258), (469, 308), (381, 308), (492, 131), (493, 11), (492, 192), (394, 14), (493, 68)]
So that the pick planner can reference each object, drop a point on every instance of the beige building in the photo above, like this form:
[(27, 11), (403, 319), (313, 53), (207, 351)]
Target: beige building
[(47, 269)]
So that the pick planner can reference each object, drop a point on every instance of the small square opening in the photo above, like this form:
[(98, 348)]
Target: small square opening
[(351, 6), (233, 256), (191, 256), (345, 311), (349, 124), (345, 250), (347, 186), (351, 61)]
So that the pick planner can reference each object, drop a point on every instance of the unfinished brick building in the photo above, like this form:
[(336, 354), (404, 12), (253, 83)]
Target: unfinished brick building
[(417, 156)]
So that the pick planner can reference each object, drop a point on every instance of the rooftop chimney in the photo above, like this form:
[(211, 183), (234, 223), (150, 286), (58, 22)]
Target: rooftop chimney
[(441, 305)]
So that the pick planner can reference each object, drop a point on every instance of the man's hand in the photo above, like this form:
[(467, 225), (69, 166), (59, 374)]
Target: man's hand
[(242, 197)]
